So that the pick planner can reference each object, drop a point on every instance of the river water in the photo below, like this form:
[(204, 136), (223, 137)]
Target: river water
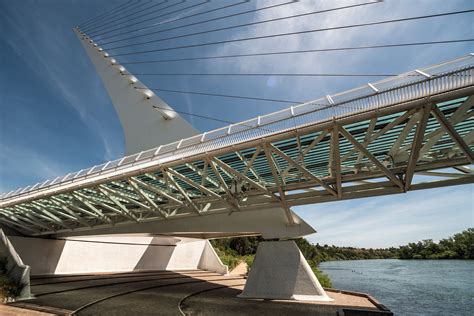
[(409, 287)]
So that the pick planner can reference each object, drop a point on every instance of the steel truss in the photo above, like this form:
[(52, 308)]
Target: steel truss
[(415, 134), (377, 156)]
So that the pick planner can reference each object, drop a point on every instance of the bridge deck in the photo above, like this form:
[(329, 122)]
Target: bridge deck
[(368, 141)]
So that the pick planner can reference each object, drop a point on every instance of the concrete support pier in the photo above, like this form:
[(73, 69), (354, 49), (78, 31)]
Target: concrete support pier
[(280, 271)]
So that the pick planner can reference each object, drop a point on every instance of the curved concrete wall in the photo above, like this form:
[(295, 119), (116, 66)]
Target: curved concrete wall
[(115, 253)]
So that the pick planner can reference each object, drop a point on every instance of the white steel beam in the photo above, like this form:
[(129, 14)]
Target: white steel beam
[(305, 171), (230, 196), (146, 198), (361, 148), (77, 217), (146, 119), (443, 121), (123, 210), (181, 190), (416, 146), (461, 114), (190, 182), (13, 223), (85, 200), (203, 174), (336, 160), (279, 182), (156, 190)]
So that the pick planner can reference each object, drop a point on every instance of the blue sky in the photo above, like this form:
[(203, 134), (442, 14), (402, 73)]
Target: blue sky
[(55, 116)]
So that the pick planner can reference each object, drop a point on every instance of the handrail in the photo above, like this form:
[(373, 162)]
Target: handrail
[(410, 85)]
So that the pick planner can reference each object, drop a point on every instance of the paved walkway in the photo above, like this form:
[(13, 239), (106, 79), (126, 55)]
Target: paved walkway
[(240, 269), (192, 292)]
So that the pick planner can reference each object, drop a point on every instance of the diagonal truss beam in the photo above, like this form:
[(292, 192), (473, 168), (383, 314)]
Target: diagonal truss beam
[(40, 204), (443, 121), (85, 200), (249, 164), (367, 139), (243, 177), (170, 178), (230, 197), (136, 199), (203, 174), (14, 222), (26, 218), (302, 169), (396, 147), (361, 148), (156, 190), (461, 114), (375, 136), (33, 219), (302, 154), (190, 182), (146, 198), (91, 200), (70, 211), (416, 146), (279, 182), (256, 185), (112, 197), (45, 214), (336, 160)]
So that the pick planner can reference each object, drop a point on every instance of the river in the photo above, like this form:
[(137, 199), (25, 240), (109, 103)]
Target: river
[(409, 287)]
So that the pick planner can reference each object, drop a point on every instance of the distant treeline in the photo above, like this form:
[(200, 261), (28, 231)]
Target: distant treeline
[(459, 246)]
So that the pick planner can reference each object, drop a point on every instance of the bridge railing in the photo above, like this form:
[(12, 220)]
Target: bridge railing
[(415, 84)]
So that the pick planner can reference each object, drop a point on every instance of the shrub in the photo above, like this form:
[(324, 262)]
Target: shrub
[(228, 259), (9, 289), (323, 278)]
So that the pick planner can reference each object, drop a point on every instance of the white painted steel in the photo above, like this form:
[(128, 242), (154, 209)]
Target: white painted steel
[(144, 127), (270, 222), (445, 77)]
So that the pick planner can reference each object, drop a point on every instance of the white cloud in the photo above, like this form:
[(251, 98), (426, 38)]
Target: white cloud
[(39, 60), (20, 162), (392, 220)]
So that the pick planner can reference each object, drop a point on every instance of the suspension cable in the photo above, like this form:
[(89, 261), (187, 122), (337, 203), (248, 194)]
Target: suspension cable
[(126, 16), (195, 115), (297, 33), (265, 74), (173, 20), (114, 15), (244, 25), (109, 25), (298, 51), (221, 95), (105, 13), (152, 18)]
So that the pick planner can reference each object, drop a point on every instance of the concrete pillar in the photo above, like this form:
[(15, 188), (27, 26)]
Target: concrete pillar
[(280, 271)]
